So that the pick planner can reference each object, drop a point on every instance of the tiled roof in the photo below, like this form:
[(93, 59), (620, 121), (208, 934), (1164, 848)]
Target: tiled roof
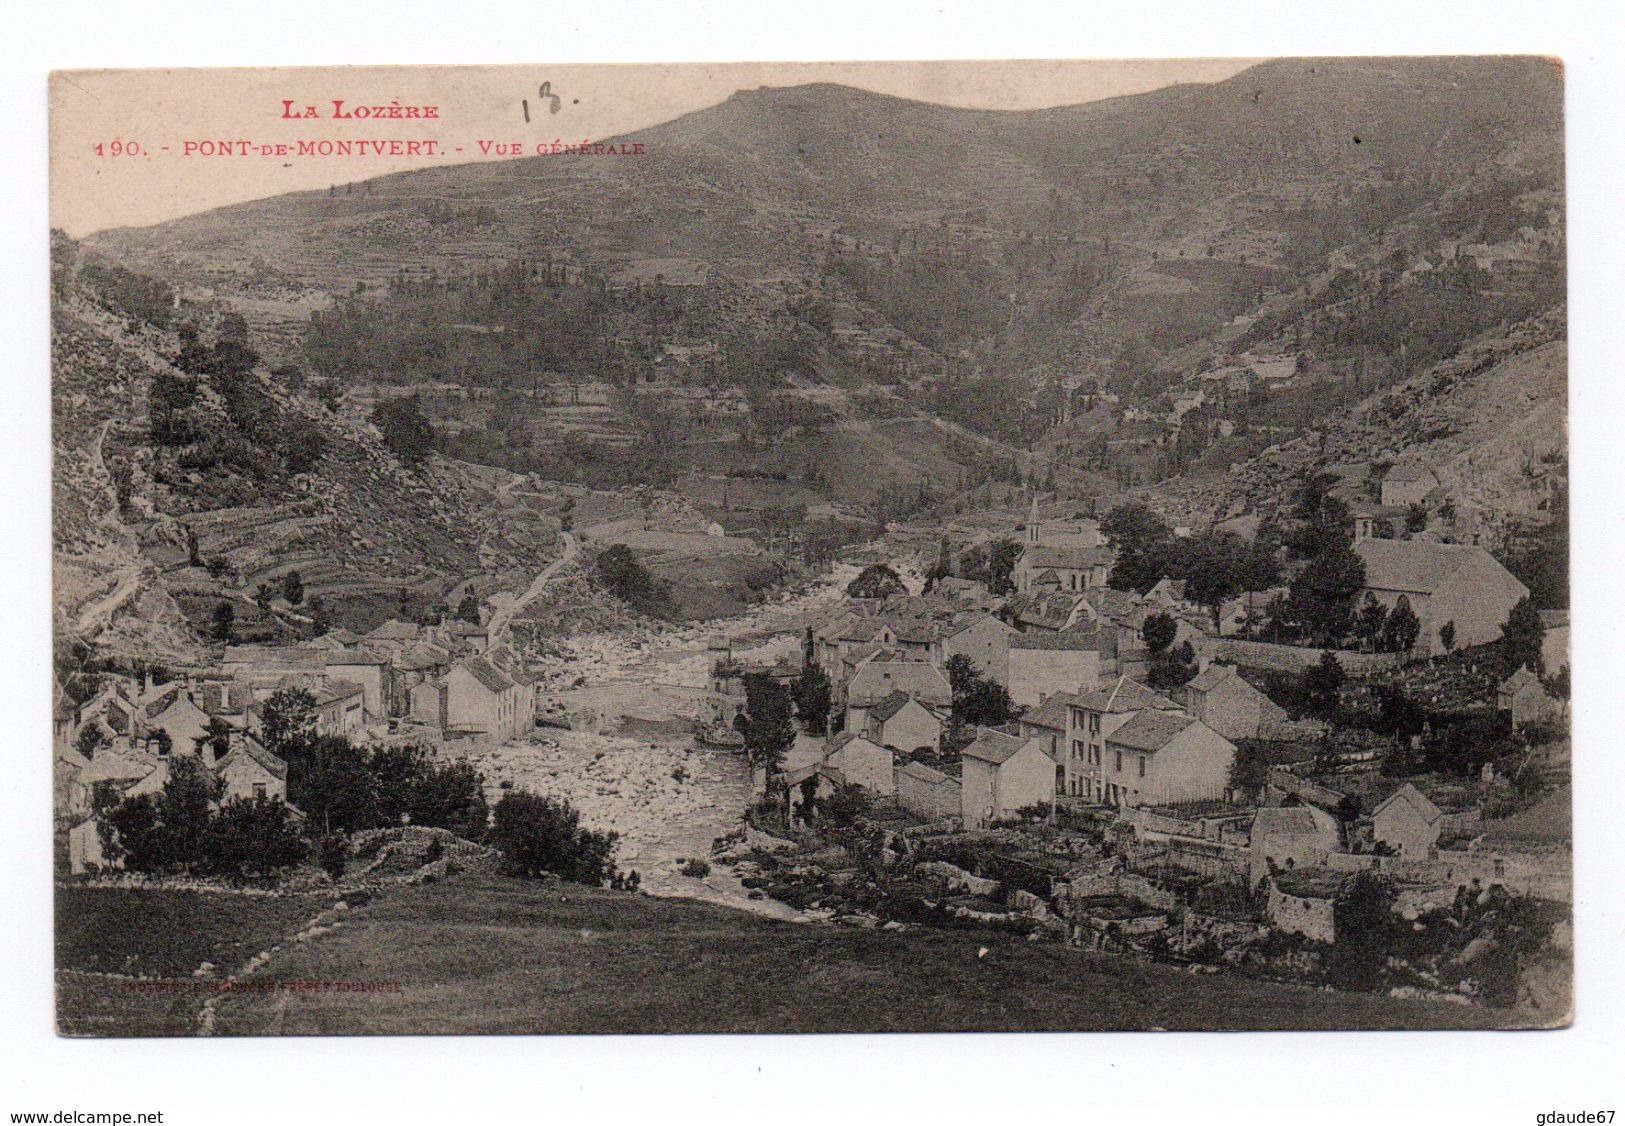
[(994, 746), (890, 706), (879, 679), (1210, 678), (1416, 799), (1150, 730), (1100, 641), (337, 690), (1069, 558), (923, 773), (1124, 695), (487, 674), (1520, 679), (1052, 713), (1416, 566), (251, 748), (1295, 820)]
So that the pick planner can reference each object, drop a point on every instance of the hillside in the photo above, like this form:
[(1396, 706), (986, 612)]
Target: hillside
[(1491, 423), (154, 528), (862, 269), (493, 955)]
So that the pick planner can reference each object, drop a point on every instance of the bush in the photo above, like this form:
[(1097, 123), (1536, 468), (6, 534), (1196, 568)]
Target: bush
[(542, 835), (253, 838), (695, 868), (876, 581), (334, 854)]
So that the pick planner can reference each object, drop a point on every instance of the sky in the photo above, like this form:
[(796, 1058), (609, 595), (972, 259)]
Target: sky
[(133, 147)]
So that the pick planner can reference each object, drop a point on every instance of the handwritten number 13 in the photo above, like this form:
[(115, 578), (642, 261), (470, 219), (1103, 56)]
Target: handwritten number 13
[(544, 92)]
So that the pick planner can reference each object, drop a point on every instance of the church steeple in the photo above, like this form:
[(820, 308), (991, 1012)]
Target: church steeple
[(1032, 520)]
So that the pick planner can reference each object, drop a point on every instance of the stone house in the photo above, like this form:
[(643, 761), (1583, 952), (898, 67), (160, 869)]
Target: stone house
[(340, 708), (1405, 485), (904, 724), (481, 698), (1290, 837), (981, 639), (1408, 822), (862, 762), (1525, 699), (1003, 773), (877, 680), (371, 671), (1304, 903), (426, 703), (70, 794), (1048, 721), (1092, 717), (1222, 699), (927, 793), (249, 771), (1162, 757), (1041, 567), (1072, 660), (1443, 583)]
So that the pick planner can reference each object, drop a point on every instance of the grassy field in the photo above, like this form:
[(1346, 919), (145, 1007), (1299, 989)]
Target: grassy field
[(162, 934), (505, 956)]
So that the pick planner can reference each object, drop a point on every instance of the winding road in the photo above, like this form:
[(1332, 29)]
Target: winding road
[(502, 616)]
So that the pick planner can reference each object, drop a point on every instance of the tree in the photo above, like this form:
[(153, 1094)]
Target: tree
[(1250, 769), (1400, 630), (812, 693), (618, 571), (1159, 631), (1321, 684), (320, 619), (1144, 544), (225, 620), (1521, 638), (877, 580), (1363, 920), (330, 779), (450, 797), (167, 831), (407, 432), (766, 723), (1172, 667), (253, 837), (977, 700), (1217, 566), (130, 834), (1447, 636), (1369, 621), (539, 836), (1320, 599), (92, 738), (468, 608), (184, 809), (262, 598), (288, 723), (293, 588)]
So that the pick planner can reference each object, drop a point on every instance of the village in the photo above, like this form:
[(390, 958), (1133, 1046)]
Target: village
[(1032, 749)]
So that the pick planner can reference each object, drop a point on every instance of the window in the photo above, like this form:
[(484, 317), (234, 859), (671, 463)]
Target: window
[(259, 791), (1119, 760), (1142, 766), (1094, 723)]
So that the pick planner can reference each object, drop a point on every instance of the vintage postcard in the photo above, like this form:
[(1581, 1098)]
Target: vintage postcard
[(1056, 545)]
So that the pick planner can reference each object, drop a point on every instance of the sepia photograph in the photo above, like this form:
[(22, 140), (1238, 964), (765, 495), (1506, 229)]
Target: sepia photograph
[(829, 548)]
